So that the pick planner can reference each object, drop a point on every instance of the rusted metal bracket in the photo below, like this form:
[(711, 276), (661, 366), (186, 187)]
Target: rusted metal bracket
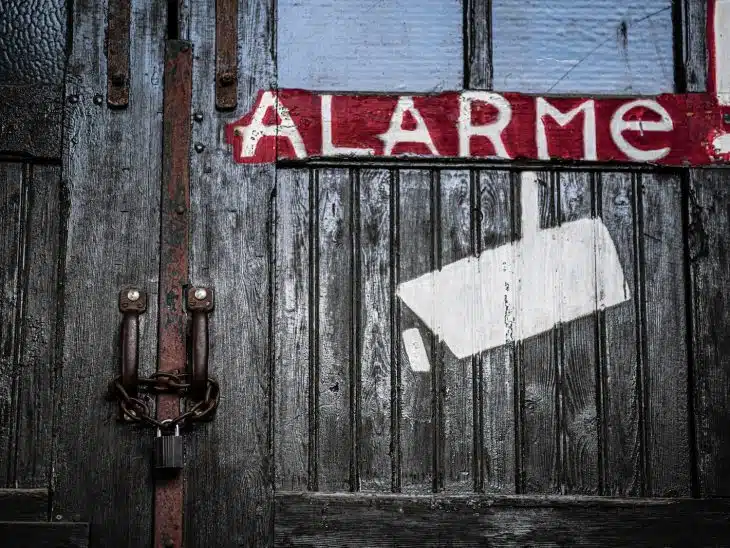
[(132, 303), (117, 53), (226, 54), (199, 302)]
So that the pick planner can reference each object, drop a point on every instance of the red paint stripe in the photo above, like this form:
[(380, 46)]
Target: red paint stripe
[(169, 496)]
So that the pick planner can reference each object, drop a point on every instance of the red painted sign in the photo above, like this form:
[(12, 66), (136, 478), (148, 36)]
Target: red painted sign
[(672, 129)]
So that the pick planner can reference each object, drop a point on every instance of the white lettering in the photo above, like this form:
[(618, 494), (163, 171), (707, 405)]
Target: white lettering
[(563, 118), (396, 134), (492, 131), (256, 130), (328, 148), (619, 125)]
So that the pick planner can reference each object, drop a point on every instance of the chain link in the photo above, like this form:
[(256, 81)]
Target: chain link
[(137, 410)]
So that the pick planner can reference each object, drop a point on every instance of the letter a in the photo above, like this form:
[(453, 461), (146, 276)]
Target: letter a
[(396, 134)]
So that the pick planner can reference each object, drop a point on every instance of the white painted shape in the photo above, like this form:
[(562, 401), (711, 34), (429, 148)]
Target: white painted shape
[(523, 288), (328, 148), (588, 108), (721, 27), (396, 134), (619, 125), (256, 130), (721, 144), (492, 131), (415, 350)]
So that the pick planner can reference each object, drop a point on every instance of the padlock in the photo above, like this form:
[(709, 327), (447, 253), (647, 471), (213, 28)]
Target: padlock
[(168, 454)]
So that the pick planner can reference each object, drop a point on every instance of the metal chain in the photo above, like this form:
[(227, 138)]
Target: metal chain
[(137, 410)]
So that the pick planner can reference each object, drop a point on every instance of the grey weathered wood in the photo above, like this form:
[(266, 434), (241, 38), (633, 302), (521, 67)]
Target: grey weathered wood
[(478, 47), (12, 227), (231, 207), (30, 120), (291, 334), (388, 520), (375, 466), (111, 182), (709, 249), (619, 419), (335, 328), (38, 351), (496, 403), (694, 44), (30, 534), (577, 393), (665, 382), (457, 375), (415, 234), (23, 504)]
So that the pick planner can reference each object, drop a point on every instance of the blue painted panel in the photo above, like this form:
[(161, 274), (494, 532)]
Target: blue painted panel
[(583, 46), (370, 45)]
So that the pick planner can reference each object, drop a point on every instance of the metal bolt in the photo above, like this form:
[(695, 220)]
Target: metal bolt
[(199, 147), (59, 517), (179, 210), (98, 99), (169, 543), (200, 294), (133, 295), (73, 99), (227, 78), (184, 47), (198, 116)]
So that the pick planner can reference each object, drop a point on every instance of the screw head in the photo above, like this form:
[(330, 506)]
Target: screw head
[(73, 99), (133, 295), (200, 294), (98, 99), (198, 116), (199, 147)]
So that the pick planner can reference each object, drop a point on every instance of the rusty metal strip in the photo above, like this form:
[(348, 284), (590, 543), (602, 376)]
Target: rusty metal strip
[(117, 43), (174, 204), (226, 54)]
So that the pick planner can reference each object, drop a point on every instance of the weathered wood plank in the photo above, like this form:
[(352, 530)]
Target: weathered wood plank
[(335, 328), (619, 420), (314, 520), (291, 332), (665, 384), (694, 44), (415, 234), (457, 375), (709, 250), (35, 534), (23, 504), (30, 120), (12, 226), (38, 354), (496, 375), (375, 461), (111, 173), (232, 250), (478, 48), (577, 393)]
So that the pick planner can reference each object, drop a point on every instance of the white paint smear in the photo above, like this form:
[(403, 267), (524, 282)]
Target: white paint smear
[(523, 288), (415, 350), (721, 27)]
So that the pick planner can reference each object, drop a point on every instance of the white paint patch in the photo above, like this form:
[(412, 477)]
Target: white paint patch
[(721, 27), (415, 350), (523, 288), (619, 124), (721, 144), (256, 130), (396, 134)]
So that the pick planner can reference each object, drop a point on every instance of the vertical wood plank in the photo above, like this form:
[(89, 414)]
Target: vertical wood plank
[(478, 44), (416, 424), (335, 329), (709, 252), (458, 381), (232, 250), (12, 227), (111, 179), (579, 420), (694, 45), (619, 382), (665, 385), (375, 336), (38, 351), (291, 335), (496, 403)]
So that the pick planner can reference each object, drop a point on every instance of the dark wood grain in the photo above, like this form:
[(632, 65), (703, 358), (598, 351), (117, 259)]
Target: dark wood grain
[(457, 375), (709, 251), (24, 504), (495, 368), (315, 520), (620, 433), (29, 534), (39, 351), (693, 41), (111, 174), (375, 466), (665, 383), (415, 234), (478, 47), (232, 250), (30, 120), (13, 205), (292, 331)]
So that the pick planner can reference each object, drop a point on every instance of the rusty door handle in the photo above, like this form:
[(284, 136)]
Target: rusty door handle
[(132, 303), (200, 304)]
